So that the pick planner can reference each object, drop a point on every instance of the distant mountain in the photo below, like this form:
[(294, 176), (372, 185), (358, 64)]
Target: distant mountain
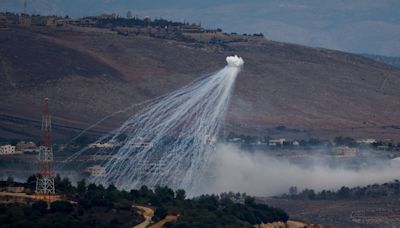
[(394, 61), (89, 73)]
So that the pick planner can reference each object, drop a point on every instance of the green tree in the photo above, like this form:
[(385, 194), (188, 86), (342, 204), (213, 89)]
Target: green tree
[(81, 187), (249, 200), (61, 206), (40, 206), (64, 186), (293, 190), (160, 213), (112, 193), (31, 181), (344, 192), (145, 192), (180, 194), (345, 141), (164, 194), (10, 179)]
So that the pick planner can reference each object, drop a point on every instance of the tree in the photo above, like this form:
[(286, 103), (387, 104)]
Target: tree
[(343, 193), (10, 179), (134, 194), (129, 14), (81, 187), (249, 200), (61, 206), (293, 190), (40, 206), (112, 193), (145, 192), (280, 128), (31, 182), (180, 194), (64, 186), (160, 213), (345, 141), (314, 142), (162, 195)]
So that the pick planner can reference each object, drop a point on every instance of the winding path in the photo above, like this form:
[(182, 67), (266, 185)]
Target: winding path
[(147, 213)]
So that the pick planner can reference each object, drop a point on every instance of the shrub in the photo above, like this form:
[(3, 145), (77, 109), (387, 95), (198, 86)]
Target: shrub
[(40, 206), (160, 213), (61, 206)]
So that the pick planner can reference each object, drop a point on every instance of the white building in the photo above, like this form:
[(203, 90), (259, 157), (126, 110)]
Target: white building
[(7, 149), (110, 144), (345, 151), (366, 141), (276, 142), (26, 147), (235, 140)]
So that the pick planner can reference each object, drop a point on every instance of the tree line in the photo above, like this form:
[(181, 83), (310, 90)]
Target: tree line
[(369, 191), (88, 204)]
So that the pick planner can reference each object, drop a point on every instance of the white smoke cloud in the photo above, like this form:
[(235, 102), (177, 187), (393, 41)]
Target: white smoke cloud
[(262, 175), (234, 61)]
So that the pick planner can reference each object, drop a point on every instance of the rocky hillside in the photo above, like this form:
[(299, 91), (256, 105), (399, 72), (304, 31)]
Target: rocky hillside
[(89, 73)]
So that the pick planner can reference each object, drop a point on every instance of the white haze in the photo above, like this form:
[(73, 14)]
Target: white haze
[(262, 175)]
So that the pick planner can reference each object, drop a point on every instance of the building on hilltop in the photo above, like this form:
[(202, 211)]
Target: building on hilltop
[(193, 28), (3, 20), (51, 22), (296, 143), (276, 142), (13, 187), (26, 147), (24, 20), (8, 149), (345, 151), (366, 141), (92, 20), (111, 144)]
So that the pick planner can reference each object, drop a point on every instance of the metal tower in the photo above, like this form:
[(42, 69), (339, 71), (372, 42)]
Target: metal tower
[(45, 189), (25, 5)]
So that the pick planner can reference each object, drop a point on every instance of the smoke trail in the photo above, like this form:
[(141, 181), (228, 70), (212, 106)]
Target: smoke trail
[(97, 123), (171, 140)]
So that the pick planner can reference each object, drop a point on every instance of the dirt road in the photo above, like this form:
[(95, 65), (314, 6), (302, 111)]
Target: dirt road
[(148, 214)]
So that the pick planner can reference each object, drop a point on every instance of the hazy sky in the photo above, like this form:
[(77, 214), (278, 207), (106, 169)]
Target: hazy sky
[(361, 26)]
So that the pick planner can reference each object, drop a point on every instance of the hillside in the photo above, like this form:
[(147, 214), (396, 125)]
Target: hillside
[(394, 61), (89, 73)]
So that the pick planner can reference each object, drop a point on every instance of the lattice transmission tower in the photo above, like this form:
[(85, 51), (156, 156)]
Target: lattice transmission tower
[(45, 188)]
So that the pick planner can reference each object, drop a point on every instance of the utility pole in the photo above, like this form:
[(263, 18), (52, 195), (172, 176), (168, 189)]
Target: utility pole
[(45, 188)]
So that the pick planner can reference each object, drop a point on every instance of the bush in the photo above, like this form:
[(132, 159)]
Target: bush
[(61, 206), (160, 213), (180, 194), (40, 206)]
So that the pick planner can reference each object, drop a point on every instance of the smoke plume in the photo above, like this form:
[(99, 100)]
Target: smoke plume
[(263, 175)]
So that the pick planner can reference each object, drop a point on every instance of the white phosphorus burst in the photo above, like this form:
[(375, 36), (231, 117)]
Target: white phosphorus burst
[(170, 141), (234, 61)]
